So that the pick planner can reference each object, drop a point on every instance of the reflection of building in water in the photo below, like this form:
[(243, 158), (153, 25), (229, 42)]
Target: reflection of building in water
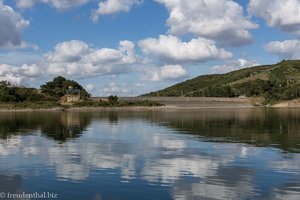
[(65, 125), (70, 119), (72, 123)]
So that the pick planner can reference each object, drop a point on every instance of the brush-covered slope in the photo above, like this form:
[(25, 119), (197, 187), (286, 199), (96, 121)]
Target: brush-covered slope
[(274, 82)]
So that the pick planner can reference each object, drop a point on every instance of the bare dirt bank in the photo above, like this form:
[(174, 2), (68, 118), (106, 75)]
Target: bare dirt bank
[(200, 102), (288, 104)]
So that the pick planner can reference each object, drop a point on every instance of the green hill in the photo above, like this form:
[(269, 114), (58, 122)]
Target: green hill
[(273, 82)]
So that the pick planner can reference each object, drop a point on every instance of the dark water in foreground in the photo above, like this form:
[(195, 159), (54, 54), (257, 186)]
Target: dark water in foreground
[(204, 154)]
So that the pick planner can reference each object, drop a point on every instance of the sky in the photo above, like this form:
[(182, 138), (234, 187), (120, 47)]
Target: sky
[(131, 47)]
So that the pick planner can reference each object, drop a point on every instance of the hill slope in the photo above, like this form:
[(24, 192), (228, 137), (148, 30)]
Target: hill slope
[(274, 82)]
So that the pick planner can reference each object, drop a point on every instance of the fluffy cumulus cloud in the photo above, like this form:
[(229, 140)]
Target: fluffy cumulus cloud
[(167, 72), (90, 87), (70, 51), (285, 14), (19, 75), (108, 7), (233, 65), (11, 26), (288, 49), (75, 58), (114, 88), (220, 20), (120, 89), (172, 49), (58, 4)]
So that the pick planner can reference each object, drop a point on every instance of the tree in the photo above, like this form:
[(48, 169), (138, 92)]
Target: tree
[(113, 99), (60, 86), (7, 92)]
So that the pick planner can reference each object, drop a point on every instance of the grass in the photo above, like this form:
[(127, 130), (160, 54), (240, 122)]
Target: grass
[(116, 104), (30, 105), (87, 103)]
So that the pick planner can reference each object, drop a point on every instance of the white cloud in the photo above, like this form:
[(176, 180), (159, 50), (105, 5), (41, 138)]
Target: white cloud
[(90, 87), (31, 70), (73, 59), (9, 73), (58, 4), (69, 51), (285, 14), (233, 65), (108, 7), (167, 72), (19, 75), (12, 24), (220, 20), (172, 49), (26, 3), (115, 89), (288, 49), (76, 58)]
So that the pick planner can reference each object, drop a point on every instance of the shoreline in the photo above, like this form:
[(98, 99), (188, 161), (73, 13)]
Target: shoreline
[(172, 104), (140, 108)]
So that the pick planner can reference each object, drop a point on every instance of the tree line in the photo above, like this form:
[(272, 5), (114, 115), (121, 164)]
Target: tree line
[(50, 91)]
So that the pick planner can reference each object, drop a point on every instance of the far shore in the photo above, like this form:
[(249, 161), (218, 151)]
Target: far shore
[(128, 108), (172, 104)]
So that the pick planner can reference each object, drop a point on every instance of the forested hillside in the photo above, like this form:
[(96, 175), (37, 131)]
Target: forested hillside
[(274, 82)]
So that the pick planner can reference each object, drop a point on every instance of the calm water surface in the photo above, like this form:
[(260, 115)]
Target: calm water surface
[(204, 154)]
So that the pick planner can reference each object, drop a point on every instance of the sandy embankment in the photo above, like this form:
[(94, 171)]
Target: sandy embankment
[(288, 104), (200, 102)]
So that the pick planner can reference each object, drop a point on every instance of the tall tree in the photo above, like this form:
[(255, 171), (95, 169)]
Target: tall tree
[(61, 86)]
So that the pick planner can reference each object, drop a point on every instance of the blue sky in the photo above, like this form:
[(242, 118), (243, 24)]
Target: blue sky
[(130, 47)]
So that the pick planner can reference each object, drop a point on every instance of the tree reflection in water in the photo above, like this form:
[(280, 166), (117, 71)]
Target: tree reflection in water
[(260, 127), (59, 126)]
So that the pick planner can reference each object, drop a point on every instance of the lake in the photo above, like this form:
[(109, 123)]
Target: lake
[(192, 154)]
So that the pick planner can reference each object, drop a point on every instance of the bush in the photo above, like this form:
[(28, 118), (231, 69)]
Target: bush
[(113, 99)]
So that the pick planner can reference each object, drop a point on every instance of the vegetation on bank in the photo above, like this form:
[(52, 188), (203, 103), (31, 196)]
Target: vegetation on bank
[(116, 104), (113, 101), (30, 105), (61, 86), (51, 93), (272, 82)]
